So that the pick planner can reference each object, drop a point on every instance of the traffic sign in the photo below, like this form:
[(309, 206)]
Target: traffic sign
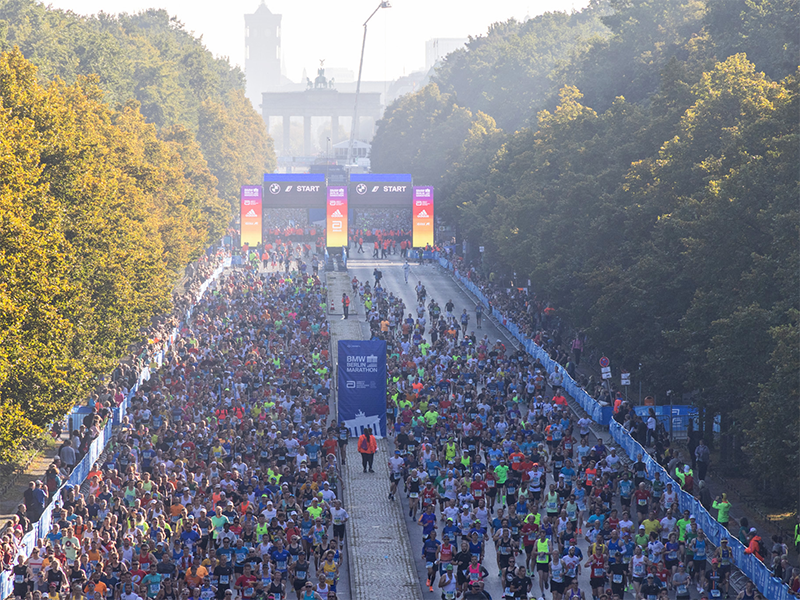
[(606, 371), (480, 249), (604, 362), (626, 378)]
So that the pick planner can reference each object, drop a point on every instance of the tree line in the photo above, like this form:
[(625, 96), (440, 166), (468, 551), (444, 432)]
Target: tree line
[(123, 143), (637, 161)]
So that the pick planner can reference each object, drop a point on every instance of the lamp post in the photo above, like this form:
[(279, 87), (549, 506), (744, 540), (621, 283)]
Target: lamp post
[(358, 85)]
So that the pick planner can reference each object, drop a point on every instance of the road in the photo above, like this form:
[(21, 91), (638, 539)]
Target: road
[(442, 287)]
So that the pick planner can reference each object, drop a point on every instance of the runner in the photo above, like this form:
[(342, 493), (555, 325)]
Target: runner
[(479, 315)]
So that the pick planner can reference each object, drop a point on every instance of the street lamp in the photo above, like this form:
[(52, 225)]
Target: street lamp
[(358, 85)]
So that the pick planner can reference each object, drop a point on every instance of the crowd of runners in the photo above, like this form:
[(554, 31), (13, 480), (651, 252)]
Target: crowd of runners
[(368, 220), (223, 480), (491, 460)]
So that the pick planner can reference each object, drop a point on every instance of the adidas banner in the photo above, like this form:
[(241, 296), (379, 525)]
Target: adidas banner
[(362, 386), (422, 211), (337, 216), (251, 215)]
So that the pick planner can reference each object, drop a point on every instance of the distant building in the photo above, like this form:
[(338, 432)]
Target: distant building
[(320, 99), (262, 58), (437, 48)]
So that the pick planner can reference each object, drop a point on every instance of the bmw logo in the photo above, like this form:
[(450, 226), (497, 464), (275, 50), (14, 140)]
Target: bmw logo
[(275, 188), (361, 189)]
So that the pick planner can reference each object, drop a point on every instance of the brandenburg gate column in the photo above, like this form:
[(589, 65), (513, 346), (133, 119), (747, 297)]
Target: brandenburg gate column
[(287, 134), (334, 129), (307, 135)]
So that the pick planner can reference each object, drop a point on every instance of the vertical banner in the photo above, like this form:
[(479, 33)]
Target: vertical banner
[(422, 209), (362, 386), (337, 216), (251, 215)]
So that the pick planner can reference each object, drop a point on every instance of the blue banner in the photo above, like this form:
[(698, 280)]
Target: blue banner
[(362, 386)]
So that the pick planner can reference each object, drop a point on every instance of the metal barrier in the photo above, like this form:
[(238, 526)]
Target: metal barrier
[(772, 587)]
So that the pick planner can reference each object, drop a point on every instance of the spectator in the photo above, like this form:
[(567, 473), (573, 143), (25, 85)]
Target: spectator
[(702, 456), (68, 456)]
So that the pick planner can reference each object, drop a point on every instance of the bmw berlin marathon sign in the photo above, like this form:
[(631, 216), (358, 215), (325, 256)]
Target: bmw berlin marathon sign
[(380, 189), (294, 190), (362, 386)]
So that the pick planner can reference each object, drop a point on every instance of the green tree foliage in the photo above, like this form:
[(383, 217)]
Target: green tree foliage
[(765, 30), (772, 432), (123, 143), (97, 216), (654, 203), (646, 34), (235, 143), (149, 57), (505, 73)]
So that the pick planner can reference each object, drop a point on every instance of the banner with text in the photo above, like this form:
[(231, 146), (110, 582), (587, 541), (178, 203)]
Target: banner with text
[(294, 190), (337, 216), (380, 189), (362, 386), (251, 215), (422, 209)]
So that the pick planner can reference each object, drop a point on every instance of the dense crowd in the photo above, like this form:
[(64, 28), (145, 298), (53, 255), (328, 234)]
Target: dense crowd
[(103, 399), (492, 460), (538, 320), (282, 218), (371, 220), (223, 479)]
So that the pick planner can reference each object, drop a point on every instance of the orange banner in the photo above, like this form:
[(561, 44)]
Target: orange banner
[(422, 210), (337, 216)]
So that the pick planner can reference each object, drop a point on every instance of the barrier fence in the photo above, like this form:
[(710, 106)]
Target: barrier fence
[(772, 587), (42, 527), (755, 570)]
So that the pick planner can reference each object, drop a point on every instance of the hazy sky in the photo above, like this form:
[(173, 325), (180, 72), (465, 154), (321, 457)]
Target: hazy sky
[(316, 29)]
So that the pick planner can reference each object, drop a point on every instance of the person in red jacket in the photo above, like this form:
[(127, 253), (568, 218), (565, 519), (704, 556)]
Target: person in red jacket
[(367, 445), (755, 545)]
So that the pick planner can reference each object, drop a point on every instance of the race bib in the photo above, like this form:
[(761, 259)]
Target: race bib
[(617, 578)]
